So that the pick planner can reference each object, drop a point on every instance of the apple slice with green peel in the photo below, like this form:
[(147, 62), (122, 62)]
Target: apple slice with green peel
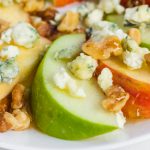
[(145, 32), (118, 19), (58, 114)]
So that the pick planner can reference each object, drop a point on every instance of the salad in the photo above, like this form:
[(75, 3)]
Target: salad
[(75, 69)]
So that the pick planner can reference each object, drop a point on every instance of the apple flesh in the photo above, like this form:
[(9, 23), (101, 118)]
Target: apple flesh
[(58, 114), (135, 82), (13, 14), (28, 59)]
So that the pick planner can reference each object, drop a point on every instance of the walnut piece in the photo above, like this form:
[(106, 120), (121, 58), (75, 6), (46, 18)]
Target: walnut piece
[(116, 99), (22, 118), (147, 58), (44, 29), (4, 125), (17, 96), (102, 50), (18, 120), (135, 34), (4, 104), (47, 14), (69, 23)]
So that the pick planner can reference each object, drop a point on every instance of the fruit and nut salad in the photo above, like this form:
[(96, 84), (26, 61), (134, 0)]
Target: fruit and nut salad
[(76, 69)]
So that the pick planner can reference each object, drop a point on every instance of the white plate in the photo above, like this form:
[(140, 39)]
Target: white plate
[(32, 139)]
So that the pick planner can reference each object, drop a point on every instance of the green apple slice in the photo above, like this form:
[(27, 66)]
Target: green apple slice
[(118, 19), (58, 114), (145, 32)]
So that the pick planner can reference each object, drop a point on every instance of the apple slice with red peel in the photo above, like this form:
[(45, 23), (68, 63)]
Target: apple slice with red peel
[(136, 82)]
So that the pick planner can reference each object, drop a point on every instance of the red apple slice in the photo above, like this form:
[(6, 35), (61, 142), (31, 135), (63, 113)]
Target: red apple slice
[(136, 82)]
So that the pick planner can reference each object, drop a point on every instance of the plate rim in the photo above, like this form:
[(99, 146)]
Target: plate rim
[(111, 146)]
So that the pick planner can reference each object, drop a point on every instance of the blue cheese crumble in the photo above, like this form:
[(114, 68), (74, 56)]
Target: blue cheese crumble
[(6, 36), (95, 16), (8, 71), (22, 34), (85, 8), (83, 66), (104, 28), (137, 15), (121, 120), (9, 52), (65, 82), (105, 79), (110, 6), (133, 56)]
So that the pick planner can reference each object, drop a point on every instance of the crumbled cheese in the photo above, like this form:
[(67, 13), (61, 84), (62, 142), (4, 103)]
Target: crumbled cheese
[(64, 81), (118, 8), (143, 51), (83, 66), (110, 6), (133, 59), (75, 90), (106, 25), (121, 120), (120, 34), (61, 79), (138, 15), (59, 16), (6, 36), (131, 45), (104, 28), (9, 52), (8, 71), (24, 34), (105, 79), (85, 8), (107, 6), (95, 16), (134, 54)]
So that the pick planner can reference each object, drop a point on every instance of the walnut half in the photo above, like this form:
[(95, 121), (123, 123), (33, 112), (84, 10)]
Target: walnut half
[(4, 125), (4, 104), (116, 99), (19, 120), (70, 22), (103, 49), (147, 58), (15, 118), (17, 96)]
